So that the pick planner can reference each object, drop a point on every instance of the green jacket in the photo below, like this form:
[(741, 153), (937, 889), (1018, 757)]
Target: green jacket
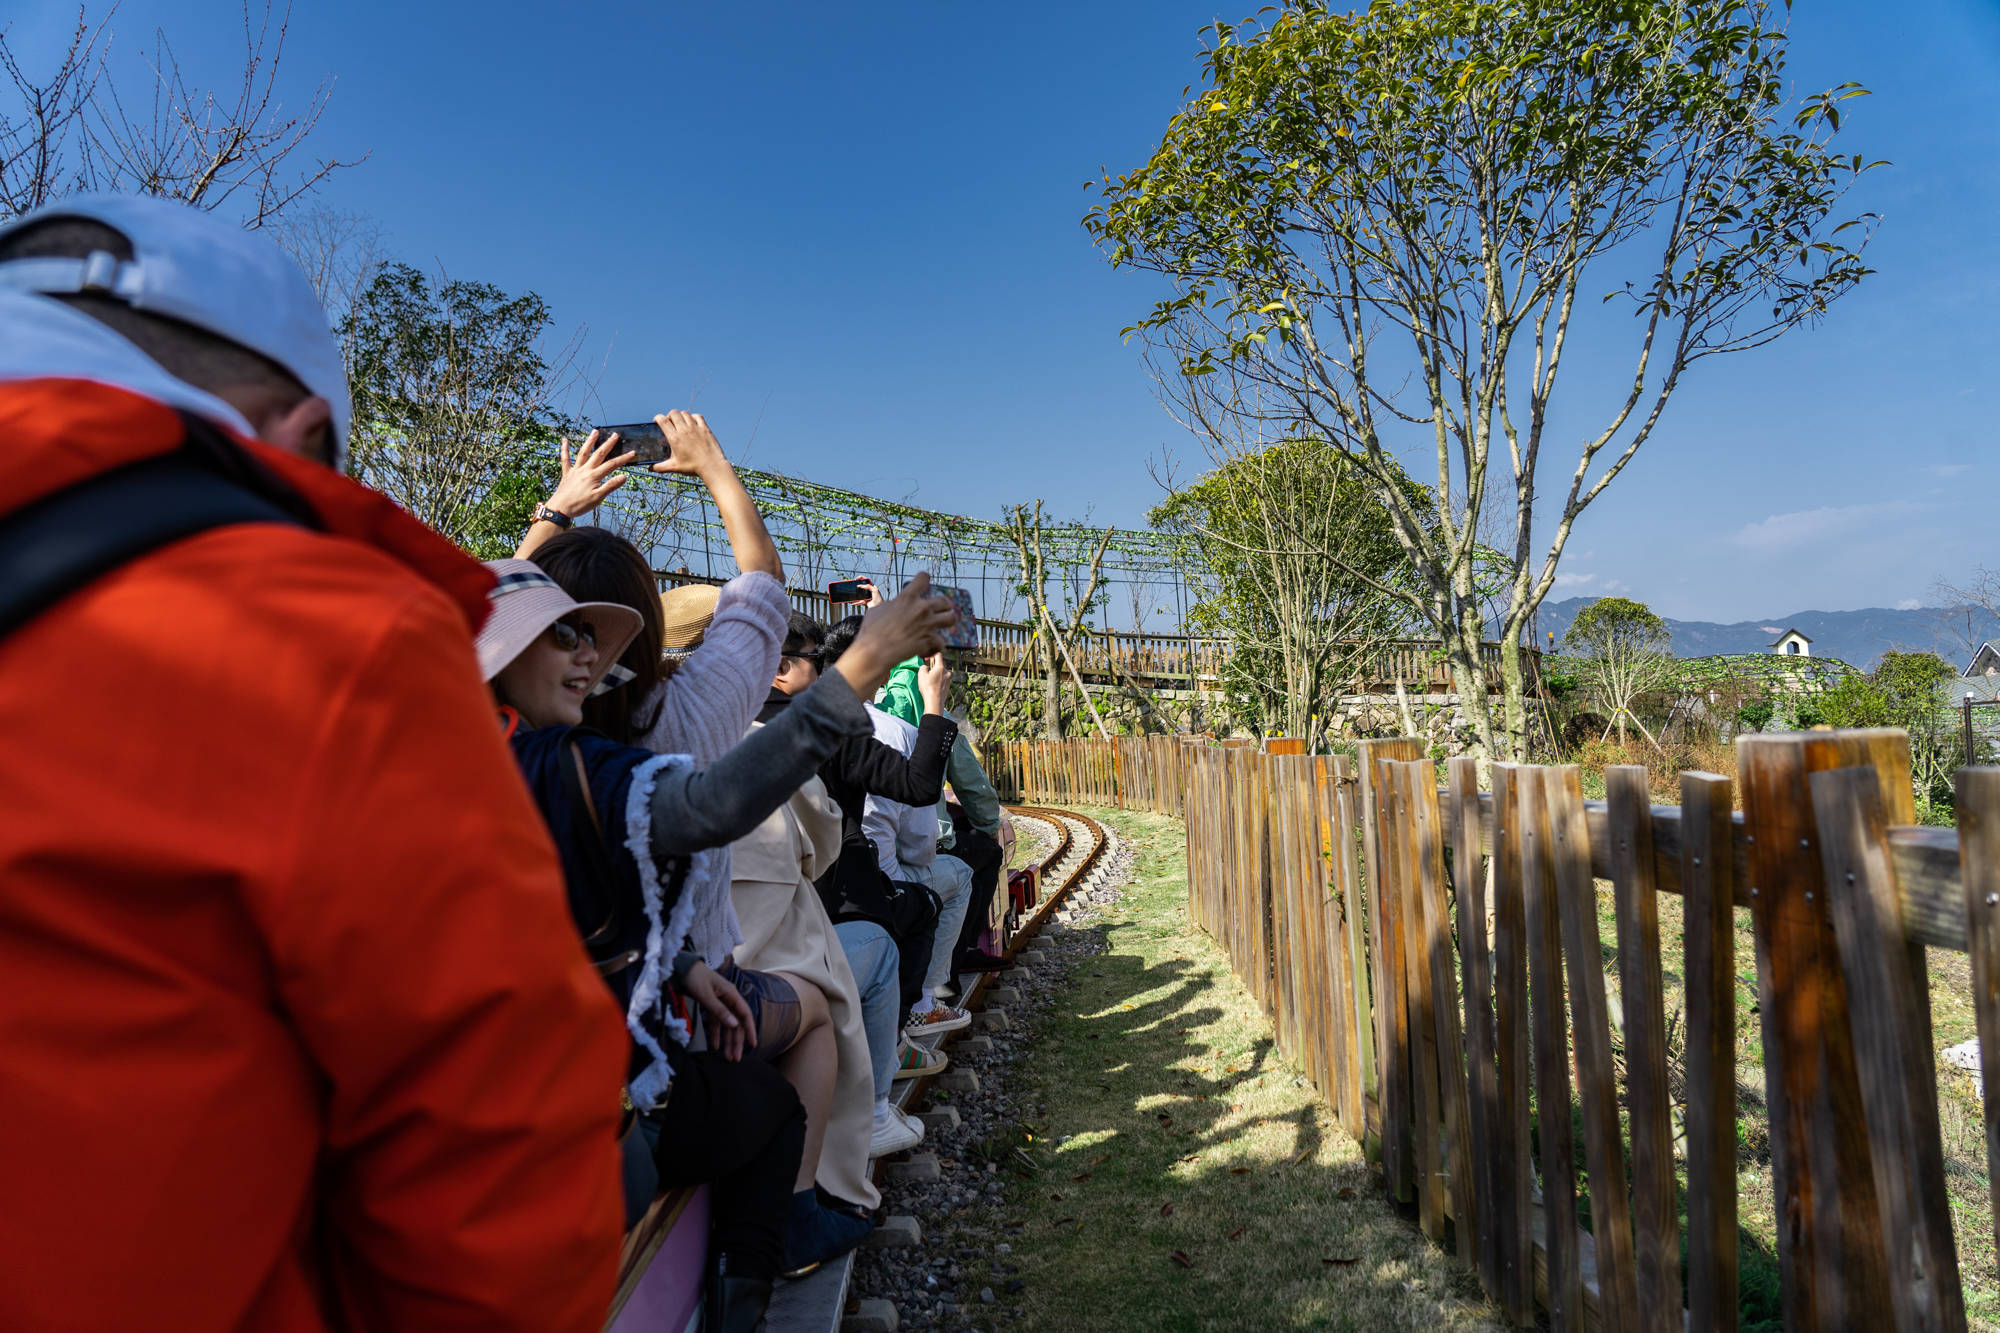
[(901, 697)]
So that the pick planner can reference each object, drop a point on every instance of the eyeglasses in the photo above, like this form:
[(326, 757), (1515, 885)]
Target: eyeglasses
[(567, 636)]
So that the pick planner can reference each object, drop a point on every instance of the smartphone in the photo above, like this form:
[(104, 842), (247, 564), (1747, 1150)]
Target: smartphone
[(644, 438), (964, 632), (849, 590)]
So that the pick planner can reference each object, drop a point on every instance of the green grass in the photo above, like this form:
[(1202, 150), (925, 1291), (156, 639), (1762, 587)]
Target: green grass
[(1173, 1130)]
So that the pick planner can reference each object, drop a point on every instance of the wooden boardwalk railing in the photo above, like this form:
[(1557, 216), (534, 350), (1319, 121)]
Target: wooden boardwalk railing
[(1165, 661), (1431, 958)]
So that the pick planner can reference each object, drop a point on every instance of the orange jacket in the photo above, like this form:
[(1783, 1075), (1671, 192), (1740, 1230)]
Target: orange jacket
[(295, 1032)]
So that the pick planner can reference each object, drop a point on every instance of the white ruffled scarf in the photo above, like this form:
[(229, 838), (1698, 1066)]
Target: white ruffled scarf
[(664, 931)]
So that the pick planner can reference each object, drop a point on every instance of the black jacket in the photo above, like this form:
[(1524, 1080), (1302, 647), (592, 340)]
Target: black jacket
[(863, 766)]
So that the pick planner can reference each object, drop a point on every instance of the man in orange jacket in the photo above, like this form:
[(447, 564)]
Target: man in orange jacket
[(295, 1032)]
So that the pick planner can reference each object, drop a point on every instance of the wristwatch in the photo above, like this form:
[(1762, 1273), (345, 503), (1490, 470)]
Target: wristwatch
[(544, 514)]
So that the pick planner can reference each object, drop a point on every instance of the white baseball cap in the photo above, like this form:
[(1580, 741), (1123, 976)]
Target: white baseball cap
[(197, 268)]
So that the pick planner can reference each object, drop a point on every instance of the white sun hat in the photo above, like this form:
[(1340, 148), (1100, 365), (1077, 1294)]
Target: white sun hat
[(527, 601), (202, 270)]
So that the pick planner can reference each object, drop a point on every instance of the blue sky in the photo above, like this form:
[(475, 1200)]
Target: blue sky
[(855, 230)]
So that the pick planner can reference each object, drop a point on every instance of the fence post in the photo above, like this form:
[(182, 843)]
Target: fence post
[(1708, 866), (1392, 1019), (1833, 1268), (1898, 1084)]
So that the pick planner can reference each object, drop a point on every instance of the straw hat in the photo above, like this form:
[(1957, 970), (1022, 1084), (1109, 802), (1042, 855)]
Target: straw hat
[(685, 613), (527, 601)]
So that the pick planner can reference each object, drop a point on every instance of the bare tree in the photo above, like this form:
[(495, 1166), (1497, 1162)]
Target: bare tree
[(1052, 640), (230, 146)]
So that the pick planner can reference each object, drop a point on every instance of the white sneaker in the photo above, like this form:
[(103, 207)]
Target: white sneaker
[(893, 1133), (915, 1124)]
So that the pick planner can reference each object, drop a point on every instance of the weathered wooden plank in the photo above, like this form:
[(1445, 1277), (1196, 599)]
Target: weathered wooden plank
[(1979, 852), (1453, 1093), (1551, 1050), (1709, 948), (1832, 1264), (1642, 988), (1427, 1096), (1360, 1074), (1926, 861), (1907, 1150), (1513, 1148), (1468, 873), (1596, 1076), (1391, 1000)]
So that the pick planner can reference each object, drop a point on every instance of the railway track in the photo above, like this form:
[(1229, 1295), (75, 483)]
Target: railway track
[(816, 1304)]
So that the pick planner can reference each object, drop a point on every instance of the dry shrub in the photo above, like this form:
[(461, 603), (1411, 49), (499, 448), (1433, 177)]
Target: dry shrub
[(1664, 766)]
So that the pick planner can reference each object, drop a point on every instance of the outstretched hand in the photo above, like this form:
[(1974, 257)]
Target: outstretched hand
[(731, 1026), (692, 448), (913, 625), (933, 681), (593, 475)]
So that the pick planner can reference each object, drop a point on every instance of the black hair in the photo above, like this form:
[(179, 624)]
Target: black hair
[(803, 635), (838, 640), (595, 564)]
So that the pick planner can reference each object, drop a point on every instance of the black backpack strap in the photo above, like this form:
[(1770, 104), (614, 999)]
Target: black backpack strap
[(63, 542)]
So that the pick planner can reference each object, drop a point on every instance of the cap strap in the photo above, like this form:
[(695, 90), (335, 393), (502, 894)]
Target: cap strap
[(52, 275)]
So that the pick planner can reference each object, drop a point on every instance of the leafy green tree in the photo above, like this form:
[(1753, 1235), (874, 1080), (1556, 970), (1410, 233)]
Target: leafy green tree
[(1911, 691), (452, 413), (1620, 648), (1378, 228), (1289, 550)]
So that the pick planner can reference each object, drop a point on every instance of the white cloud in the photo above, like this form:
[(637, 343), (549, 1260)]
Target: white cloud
[(1809, 527), (1909, 604), (1574, 580), (1617, 586), (1949, 469)]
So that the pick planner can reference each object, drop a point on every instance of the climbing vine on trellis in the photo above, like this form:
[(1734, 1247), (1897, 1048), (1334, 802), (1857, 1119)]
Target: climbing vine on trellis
[(826, 533)]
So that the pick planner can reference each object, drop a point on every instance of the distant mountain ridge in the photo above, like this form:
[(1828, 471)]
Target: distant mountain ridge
[(1858, 638)]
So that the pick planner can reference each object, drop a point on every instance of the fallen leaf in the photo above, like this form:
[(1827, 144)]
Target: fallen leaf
[(1346, 1192), (1341, 1263), (1238, 1232), (1055, 1198), (1166, 1210), (1062, 1221), (1084, 1175), (1190, 1157), (1164, 1119), (1230, 1069), (1180, 1257), (1239, 1170), (1099, 1160)]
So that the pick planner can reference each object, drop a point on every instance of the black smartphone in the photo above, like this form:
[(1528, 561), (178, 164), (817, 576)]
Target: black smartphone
[(849, 590), (644, 438)]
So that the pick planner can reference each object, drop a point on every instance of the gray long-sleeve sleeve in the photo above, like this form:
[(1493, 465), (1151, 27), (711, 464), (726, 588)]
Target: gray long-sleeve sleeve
[(714, 806)]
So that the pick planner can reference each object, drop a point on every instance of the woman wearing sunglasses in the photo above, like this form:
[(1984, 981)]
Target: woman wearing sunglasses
[(632, 829)]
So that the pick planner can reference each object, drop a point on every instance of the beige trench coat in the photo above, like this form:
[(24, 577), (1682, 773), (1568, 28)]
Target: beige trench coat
[(785, 929)]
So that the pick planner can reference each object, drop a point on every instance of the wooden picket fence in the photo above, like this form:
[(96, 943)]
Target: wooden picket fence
[(1432, 960)]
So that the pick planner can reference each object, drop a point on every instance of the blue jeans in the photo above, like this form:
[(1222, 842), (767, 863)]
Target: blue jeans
[(951, 880), (871, 955)]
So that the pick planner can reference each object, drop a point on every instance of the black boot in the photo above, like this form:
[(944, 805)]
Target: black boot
[(734, 1304)]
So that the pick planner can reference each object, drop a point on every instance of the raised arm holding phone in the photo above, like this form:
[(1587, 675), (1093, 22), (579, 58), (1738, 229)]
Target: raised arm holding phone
[(692, 450)]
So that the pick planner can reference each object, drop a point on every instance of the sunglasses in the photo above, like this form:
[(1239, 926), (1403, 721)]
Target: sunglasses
[(567, 636)]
